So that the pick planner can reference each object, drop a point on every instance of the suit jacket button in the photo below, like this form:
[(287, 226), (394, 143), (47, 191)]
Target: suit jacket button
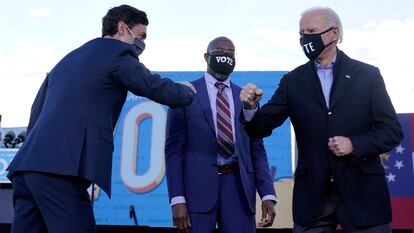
[(329, 113)]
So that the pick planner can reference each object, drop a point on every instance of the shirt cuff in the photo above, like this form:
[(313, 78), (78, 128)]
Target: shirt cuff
[(269, 197), (249, 114), (177, 200)]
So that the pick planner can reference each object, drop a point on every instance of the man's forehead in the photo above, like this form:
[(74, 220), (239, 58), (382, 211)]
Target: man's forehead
[(222, 44), (315, 18)]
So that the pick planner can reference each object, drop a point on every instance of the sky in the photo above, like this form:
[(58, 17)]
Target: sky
[(35, 35)]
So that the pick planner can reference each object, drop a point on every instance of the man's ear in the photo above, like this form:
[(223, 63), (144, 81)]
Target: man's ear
[(336, 33), (121, 28), (206, 56)]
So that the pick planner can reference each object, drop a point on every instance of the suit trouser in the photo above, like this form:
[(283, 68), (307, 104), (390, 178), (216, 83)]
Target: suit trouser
[(331, 212), (51, 203), (231, 213)]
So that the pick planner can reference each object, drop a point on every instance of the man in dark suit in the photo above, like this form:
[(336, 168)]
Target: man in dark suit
[(213, 168), (343, 119), (70, 134)]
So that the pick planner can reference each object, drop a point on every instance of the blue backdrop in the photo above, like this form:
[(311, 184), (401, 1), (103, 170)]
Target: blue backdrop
[(138, 163)]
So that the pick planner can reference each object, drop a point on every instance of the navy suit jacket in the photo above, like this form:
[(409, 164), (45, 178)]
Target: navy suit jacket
[(76, 109), (191, 154), (360, 109)]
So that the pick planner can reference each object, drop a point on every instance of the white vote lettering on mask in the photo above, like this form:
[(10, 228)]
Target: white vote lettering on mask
[(224, 59), (308, 47)]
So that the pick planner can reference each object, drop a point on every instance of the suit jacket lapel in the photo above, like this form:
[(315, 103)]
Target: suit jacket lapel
[(237, 108), (204, 102), (344, 74), (310, 81)]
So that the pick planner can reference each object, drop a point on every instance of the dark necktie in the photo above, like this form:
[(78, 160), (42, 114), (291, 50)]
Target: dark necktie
[(224, 126)]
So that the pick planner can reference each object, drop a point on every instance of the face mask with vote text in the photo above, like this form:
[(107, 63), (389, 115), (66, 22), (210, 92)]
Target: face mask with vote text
[(312, 44), (222, 63)]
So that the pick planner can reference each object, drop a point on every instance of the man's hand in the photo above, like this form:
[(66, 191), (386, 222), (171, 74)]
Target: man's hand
[(340, 145), (250, 96), (188, 84), (268, 214), (181, 217)]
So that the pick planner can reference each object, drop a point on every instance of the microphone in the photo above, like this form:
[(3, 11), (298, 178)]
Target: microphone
[(132, 214), (20, 138), (8, 139)]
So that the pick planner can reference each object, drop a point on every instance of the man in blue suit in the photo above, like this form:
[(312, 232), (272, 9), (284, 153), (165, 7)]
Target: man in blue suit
[(343, 120), (70, 134), (213, 168)]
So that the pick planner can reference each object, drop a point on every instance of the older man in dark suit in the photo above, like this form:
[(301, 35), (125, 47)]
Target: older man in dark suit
[(343, 119)]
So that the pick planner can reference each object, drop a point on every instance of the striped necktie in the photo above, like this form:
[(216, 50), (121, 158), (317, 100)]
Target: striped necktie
[(224, 126)]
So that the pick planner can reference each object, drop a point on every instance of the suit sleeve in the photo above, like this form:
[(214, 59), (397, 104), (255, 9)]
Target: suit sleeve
[(263, 177), (386, 132), (175, 151), (134, 76), (270, 116), (37, 105)]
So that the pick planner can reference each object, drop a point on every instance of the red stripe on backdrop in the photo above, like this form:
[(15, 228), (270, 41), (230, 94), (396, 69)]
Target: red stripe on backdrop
[(402, 213)]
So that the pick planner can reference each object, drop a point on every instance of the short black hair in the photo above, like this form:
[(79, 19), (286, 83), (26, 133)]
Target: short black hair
[(130, 15)]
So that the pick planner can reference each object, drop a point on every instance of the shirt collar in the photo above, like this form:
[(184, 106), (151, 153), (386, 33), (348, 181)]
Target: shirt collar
[(210, 80), (319, 66)]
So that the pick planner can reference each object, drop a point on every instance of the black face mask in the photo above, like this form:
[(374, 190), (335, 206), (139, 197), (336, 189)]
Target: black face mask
[(313, 45), (139, 46), (222, 63)]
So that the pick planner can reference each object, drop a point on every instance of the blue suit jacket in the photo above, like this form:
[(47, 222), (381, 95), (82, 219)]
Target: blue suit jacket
[(76, 109), (191, 154), (360, 109)]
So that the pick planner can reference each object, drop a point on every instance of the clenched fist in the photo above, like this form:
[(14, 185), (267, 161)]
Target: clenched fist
[(340, 145), (250, 96)]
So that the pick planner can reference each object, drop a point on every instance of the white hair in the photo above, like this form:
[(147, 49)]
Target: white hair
[(333, 19)]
